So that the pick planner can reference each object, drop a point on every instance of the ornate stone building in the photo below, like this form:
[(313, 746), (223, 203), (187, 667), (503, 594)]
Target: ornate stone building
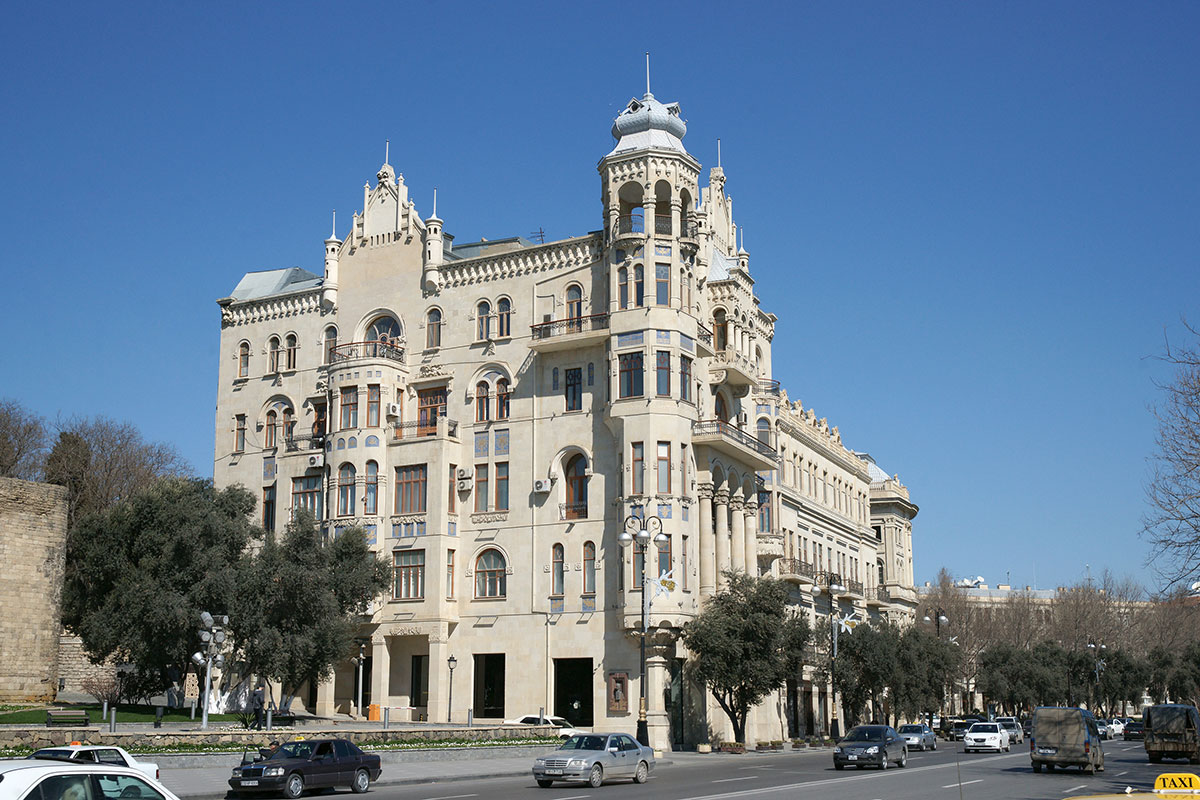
[(492, 414)]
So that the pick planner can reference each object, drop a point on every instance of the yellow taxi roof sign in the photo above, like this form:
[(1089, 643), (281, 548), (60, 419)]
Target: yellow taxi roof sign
[(1177, 783)]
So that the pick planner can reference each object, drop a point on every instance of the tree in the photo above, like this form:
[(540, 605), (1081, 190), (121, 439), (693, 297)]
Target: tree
[(867, 664), (1123, 679), (139, 573), (298, 603), (926, 665), (747, 642), (1172, 525), (22, 442)]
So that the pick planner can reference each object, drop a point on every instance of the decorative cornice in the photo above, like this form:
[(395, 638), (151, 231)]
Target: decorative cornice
[(567, 254), (248, 312)]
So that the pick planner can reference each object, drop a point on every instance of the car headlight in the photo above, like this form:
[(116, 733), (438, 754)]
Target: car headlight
[(237, 772), (272, 772), (872, 750), (577, 763), (541, 762), (837, 749)]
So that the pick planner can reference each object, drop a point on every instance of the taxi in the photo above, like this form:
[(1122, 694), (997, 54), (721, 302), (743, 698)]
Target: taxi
[(1168, 786)]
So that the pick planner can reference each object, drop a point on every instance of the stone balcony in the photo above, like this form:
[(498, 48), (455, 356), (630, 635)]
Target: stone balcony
[(730, 366), (362, 353), (569, 333), (798, 571), (732, 441)]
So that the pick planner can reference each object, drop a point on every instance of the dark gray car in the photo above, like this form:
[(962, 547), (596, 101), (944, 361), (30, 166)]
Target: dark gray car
[(594, 758), (870, 745)]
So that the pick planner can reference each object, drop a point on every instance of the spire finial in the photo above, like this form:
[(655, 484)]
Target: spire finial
[(435, 201), (387, 146), (718, 152), (647, 72), (333, 233)]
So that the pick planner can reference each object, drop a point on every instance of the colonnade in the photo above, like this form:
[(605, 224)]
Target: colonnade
[(728, 535)]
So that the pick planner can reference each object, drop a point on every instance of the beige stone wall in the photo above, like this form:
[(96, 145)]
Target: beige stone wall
[(33, 543), (74, 667)]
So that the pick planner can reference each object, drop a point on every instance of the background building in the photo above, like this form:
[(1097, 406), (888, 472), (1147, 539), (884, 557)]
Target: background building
[(492, 414)]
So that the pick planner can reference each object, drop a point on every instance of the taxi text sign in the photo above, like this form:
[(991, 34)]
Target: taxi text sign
[(1177, 783)]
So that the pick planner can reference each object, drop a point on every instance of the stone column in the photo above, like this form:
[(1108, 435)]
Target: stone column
[(381, 670), (325, 706), (722, 532), (676, 206), (439, 680), (657, 677), (708, 541), (648, 206), (737, 536), (752, 537)]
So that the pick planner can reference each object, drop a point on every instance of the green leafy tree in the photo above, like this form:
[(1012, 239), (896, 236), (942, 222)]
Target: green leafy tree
[(867, 664), (747, 642), (139, 573), (926, 666), (299, 601), (1124, 678)]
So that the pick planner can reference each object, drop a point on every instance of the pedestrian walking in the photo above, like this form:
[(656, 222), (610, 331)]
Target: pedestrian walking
[(257, 704)]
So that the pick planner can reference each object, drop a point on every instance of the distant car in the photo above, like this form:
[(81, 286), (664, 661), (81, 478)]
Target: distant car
[(870, 745), (1102, 727), (1027, 727), (918, 736), (295, 767), (1133, 731), (1010, 724), (595, 758), (1116, 727), (68, 779), (959, 728), (565, 729), (101, 754), (986, 736)]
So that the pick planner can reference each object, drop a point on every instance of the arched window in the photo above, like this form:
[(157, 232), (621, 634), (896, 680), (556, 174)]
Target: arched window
[(589, 568), (384, 329), (371, 501), (720, 329), (502, 393), (623, 287), (639, 285), (577, 485), (346, 491), (289, 425), (481, 402), (330, 344), (483, 321), (269, 433), (290, 344), (273, 354), (490, 574), (244, 360), (764, 431), (433, 328), (574, 307), (557, 571), (504, 317), (720, 409)]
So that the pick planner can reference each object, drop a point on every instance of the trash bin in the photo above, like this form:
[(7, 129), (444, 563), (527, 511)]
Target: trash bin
[(373, 712)]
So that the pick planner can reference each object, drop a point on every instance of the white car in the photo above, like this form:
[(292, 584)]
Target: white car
[(565, 729), (1010, 724), (1116, 727), (41, 778), (101, 754), (986, 736)]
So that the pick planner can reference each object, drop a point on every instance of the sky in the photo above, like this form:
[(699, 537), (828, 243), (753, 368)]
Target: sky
[(977, 222)]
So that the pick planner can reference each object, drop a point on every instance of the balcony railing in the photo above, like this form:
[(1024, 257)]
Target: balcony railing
[(882, 594), (563, 327), (420, 429), (662, 224), (353, 351), (295, 444), (704, 427), (797, 566), (768, 386), (855, 587), (704, 334), (569, 511), (631, 223)]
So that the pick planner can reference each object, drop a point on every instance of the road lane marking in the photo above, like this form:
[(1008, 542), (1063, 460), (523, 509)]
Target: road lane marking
[(964, 783), (1073, 788), (574, 797), (743, 778), (458, 796)]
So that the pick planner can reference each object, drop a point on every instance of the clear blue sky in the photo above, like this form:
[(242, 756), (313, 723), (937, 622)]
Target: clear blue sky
[(975, 221)]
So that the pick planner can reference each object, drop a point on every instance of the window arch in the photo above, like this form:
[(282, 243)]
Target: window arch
[(504, 317), (639, 286), (574, 303), (290, 344), (269, 433), (502, 394), (371, 497), (589, 568), (623, 287), (385, 329), (720, 329), (490, 574), (764, 430), (720, 408), (331, 338), (577, 487), (244, 360), (557, 570), (483, 321), (289, 424), (481, 402), (273, 354), (346, 476), (433, 328)]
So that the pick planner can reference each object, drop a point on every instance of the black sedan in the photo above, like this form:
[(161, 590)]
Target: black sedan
[(295, 767), (870, 745), (1134, 730)]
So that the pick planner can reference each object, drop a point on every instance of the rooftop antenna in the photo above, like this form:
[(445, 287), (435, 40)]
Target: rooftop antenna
[(540, 235), (647, 72), (718, 152), (387, 146), (435, 201), (333, 233)]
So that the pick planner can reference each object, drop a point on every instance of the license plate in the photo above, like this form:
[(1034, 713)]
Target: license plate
[(1047, 751), (852, 758), (249, 783), (554, 772)]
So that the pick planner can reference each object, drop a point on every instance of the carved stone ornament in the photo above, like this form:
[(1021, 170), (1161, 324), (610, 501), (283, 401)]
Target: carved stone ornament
[(431, 371), (484, 518)]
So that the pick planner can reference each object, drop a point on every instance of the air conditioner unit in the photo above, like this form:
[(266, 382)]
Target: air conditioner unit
[(743, 418), (541, 486), (316, 460), (464, 472), (393, 410), (464, 486)]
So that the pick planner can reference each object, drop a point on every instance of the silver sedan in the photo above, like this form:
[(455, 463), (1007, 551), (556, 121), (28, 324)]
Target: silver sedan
[(918, 737), (594, 758)]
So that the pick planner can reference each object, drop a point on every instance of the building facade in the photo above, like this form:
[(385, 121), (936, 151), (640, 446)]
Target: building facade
[(494, 414)]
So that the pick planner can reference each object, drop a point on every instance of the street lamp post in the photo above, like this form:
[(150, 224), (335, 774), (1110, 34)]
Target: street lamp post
[(362, 655), (212, 636), (939, 616), (451, 662), (833, 588), (642, 531), (1098, 652)]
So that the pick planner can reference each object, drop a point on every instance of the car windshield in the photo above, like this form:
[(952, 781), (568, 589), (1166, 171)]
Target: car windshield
[(1009, 724), (584, 742), (985, 727), (962, 724), (910, 728), (865, 735), (293, 750)]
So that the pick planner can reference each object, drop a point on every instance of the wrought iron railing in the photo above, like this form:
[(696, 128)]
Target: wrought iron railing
[(854, 587), (295, 444), (704, 333), (768, 386), (563, 327), (662, 224), (424, 428), (720, 427), (882, 594), (568, 511), (631, 223), (797, 566), (353, 351)]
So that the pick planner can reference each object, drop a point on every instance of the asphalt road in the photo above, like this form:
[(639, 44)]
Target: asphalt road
[(940, 774)]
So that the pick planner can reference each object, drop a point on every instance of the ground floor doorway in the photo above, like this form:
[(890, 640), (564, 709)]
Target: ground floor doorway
[(574, 688), (489, 685)]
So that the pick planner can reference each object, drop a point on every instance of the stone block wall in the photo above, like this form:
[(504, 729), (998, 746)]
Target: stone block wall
[(33, 544)]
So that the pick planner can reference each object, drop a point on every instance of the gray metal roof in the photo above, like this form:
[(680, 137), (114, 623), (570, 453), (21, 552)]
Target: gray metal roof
[(255, 285)]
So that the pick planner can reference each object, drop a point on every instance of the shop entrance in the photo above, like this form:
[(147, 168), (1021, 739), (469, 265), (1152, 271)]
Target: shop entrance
[(573, 690)]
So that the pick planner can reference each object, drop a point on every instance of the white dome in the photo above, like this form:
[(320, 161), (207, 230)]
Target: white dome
[(648, 123)]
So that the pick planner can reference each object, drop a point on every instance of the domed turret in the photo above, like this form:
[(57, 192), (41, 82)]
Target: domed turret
[(647, 123)]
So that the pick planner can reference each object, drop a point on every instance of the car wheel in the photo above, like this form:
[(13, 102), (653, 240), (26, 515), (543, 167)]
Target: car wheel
[(1037, 767), (361, 782), (596, 776), (903, 762), (1089, 769), (883, 760), (642, 774), (545, 784), (1155, 758), (838, 767), (1049, 767), (293, 787)]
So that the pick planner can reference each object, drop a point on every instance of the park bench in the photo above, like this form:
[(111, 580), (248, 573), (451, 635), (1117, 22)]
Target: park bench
[(66, 716)]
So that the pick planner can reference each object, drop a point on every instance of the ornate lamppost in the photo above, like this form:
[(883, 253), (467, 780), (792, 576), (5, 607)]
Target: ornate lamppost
[(642, 531), (939, 617), (833, 587), (451, 662), (212, 636)]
